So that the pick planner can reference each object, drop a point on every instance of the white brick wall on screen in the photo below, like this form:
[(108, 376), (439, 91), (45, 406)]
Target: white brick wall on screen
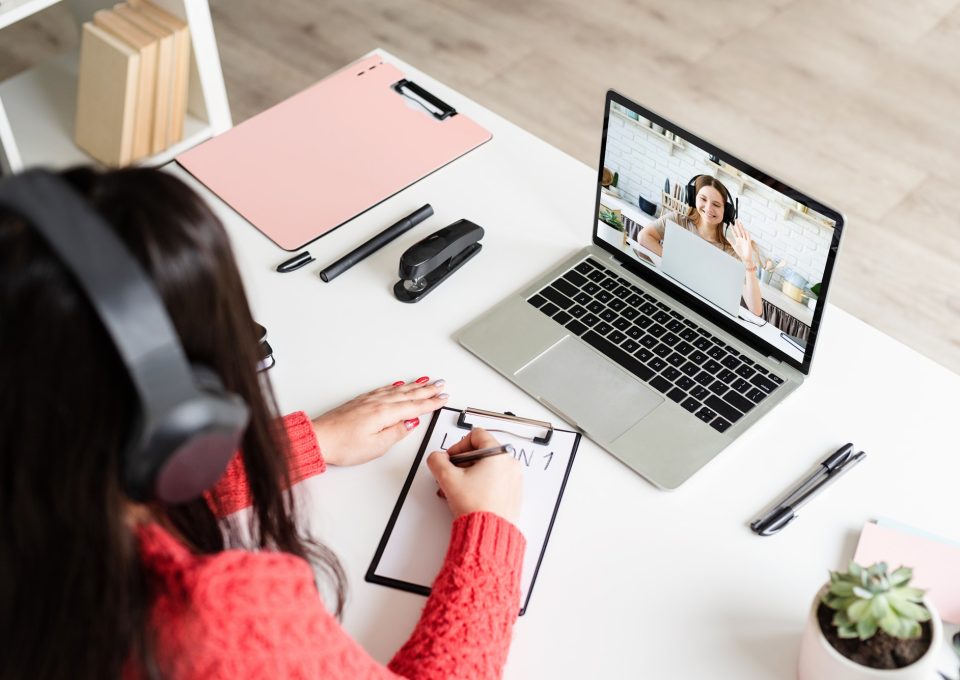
[(644, 162)]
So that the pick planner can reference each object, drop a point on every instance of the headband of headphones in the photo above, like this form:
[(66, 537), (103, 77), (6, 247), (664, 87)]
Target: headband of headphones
[(729, 210), (188, 427)]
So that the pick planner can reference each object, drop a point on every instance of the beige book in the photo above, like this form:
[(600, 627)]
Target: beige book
[(146, 46), (106, 96), (181, 78), (165, 68)]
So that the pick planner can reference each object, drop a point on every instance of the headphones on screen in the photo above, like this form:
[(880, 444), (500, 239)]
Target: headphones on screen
[(188, 427), (729, 210)]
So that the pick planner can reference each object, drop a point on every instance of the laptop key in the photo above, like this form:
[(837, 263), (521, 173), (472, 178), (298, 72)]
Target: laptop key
[(676, 360), (718, 387), (716, 353), (621, 324), (702, 344), (690, 404), (537, 301), (745, 371), (616, 337), (582, 298), (584, 267), (616, 305), (574, 278), (630, 345), (629, 313), (700, 392), (661, 384), (674, 325), (603, 328), (643, 321), (685, 383), (607, 315), (683, 347), (656, 363), (703, 378), (776, 378), (596, 276), (576, 311), (662, 306), (723, 408), (643, 354), (670, 373), (566, 287), (634, 300), (719, 424), (562, 318), (689, 334), (756, 395), (635, 332), (761, 370), (576, 327), (622, 292), (767, 386), (747, 360), (591, 289), (741, 386), (705, 414), (619, 356), (661, 317), (608, 284), (697, 357), (603, 296), (595, 307), (648, 308), (549, 309), (589, 320), (737, 401), (677, 395), (656, 330), (690, 368), (556, 297), (662, 351), (649, 341), (725, 375), (670, 339), (712, 366)]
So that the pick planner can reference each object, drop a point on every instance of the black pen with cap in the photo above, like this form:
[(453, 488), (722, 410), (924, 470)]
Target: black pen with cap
[(785, 511)]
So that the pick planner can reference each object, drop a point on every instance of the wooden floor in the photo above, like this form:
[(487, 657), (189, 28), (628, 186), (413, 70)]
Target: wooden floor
[(856, 101)]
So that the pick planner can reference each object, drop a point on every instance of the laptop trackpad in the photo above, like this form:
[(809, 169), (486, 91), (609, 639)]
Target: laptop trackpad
[(592, 392)]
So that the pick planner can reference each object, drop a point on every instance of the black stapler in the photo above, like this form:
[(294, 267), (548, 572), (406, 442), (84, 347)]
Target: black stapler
[(426, 264)]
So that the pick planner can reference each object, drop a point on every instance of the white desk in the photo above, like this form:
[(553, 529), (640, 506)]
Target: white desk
[(636, 582)]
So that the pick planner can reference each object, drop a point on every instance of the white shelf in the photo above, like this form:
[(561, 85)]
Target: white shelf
[(40, 105), (671, 141), (12, 11)]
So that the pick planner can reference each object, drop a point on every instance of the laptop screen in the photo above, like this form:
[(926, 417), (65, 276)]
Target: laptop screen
[(738, 246)]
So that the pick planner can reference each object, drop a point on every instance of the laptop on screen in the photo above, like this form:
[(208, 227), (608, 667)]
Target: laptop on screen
[(663, 358)]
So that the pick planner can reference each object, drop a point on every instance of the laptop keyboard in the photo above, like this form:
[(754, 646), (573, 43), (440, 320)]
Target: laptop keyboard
[(659, 345)]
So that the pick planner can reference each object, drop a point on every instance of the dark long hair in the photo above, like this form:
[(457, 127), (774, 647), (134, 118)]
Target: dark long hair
[(74, 600)]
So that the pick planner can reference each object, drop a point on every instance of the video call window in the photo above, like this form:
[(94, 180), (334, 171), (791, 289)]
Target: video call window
[(741, 246)]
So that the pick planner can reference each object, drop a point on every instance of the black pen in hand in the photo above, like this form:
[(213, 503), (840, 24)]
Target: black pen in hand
[(464, 459)]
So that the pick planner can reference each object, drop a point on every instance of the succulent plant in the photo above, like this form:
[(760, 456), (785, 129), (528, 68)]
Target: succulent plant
[(866, 599)]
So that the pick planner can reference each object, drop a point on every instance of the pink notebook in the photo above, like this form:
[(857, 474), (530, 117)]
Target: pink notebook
[(331, 152)]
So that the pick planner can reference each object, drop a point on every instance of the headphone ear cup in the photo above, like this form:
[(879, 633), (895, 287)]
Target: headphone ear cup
[(207, 379)]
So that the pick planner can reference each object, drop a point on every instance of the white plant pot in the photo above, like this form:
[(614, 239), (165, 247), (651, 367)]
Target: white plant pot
[(820, 661)]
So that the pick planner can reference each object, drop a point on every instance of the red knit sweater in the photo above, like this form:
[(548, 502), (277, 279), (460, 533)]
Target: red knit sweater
[(240, 614)]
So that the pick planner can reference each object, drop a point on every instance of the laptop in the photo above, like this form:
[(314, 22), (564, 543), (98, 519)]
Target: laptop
[(647, 368), (701, 267)]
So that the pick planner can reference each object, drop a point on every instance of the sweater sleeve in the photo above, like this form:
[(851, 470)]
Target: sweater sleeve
[(232, 492), (466, 625)]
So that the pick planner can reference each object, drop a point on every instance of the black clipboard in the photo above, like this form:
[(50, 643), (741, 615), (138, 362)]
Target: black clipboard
[(462, 423)]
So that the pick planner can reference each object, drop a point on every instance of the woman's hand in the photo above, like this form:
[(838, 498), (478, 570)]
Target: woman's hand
[(742, 243), (491, 484), (365, 427)]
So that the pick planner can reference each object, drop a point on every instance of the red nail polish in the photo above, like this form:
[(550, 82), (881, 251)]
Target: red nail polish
[(397, 384), (422, 380), (412, 423)]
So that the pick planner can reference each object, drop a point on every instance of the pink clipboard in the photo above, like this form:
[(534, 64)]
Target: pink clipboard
[(319, 159)]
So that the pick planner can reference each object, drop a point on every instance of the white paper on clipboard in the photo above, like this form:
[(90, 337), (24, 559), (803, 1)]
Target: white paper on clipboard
[(415, 541)]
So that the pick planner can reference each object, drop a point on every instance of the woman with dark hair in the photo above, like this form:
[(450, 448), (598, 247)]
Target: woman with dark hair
[(706, 218), (95, 585)]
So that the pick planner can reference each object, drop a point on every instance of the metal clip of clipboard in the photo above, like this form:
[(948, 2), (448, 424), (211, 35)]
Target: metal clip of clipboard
[(544, 440), (444, 110)]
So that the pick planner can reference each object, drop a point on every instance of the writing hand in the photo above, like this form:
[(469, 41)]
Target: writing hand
[(365, 427)]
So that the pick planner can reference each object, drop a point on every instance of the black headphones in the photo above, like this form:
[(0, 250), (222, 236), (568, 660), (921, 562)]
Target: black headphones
[(729, 210), (188, 427)]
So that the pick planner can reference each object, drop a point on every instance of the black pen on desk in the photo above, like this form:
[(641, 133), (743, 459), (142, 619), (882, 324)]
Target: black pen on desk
[(376, 243), (787, 513), (828, 465), (461, 459)]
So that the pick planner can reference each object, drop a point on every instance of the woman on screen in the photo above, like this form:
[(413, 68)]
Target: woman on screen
[(710, 215)]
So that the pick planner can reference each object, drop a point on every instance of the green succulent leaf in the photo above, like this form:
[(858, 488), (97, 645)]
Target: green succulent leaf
[(867, 599), (858, 610), (866, 628), (862, 592), (901, 576), (910, 610)]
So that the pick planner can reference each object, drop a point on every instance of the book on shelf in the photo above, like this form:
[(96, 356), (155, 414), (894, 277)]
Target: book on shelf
[(146, 47), (106, 96)]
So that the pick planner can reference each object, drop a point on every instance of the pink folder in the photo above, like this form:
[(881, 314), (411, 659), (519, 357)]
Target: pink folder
[(331, 152)]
